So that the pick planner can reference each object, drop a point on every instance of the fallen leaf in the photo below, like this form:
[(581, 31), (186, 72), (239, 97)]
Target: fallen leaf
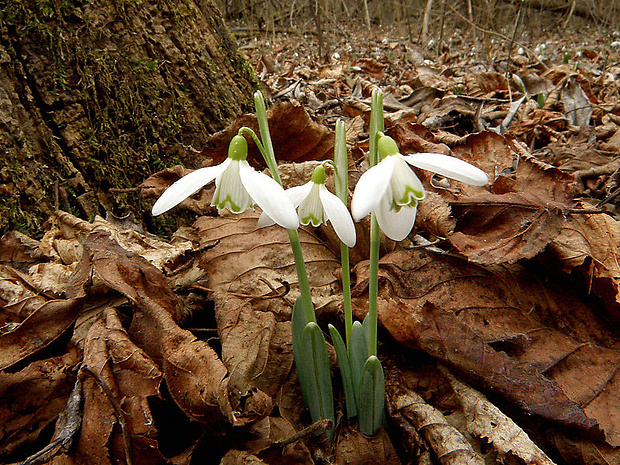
[(44, 326), (486, 421), (295, 137), (524, 355), (32, 398)]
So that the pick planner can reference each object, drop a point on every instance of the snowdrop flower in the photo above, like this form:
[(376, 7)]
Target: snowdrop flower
[(237, 187), (317, 206), (392, 191)]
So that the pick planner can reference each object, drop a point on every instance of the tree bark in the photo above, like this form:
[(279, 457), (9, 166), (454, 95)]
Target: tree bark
[(99, 95)]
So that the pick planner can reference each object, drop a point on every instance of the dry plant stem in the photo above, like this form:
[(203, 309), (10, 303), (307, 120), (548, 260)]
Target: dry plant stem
[(367, 14), (318, 18), (497, 34), (426, 20), (443, 22), (514, 34)]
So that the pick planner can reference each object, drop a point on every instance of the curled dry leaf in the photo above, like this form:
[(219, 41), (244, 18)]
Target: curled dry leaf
[(195, 376), (523, 214), (44, 326), (32, 398), (590, 244), (121, 378), (486, 421), (445, 441)]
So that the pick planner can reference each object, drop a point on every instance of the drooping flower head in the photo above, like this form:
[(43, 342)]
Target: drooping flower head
[(318, 206), (392, 191), (238, 187)]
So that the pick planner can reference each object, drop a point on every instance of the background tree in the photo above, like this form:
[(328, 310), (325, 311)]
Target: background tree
[(96, 96)]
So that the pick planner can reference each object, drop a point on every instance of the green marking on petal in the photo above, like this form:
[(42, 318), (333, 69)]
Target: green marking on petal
[(221, 205), (410, 197), (306, 220)]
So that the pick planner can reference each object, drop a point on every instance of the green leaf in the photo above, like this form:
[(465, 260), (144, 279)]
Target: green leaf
[(298, 324), (345, 371), (358, 353), (316, 373), (372, 396)]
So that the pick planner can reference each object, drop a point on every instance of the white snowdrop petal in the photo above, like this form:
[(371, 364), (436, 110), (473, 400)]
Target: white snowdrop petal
[(370, 188), (295, 194), (395, 225), (264, 220), (448, 166), (298, 193), (187, 186), (336, 212), (269, 196)]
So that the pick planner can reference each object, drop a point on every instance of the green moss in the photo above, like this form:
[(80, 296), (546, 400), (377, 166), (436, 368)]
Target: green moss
[(135, 113)]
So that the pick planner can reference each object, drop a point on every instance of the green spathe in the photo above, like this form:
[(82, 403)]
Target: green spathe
[(238, 148)]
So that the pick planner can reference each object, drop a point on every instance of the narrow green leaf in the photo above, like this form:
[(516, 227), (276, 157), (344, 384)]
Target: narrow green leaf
[(358, 353), (372, 396), (345, 371), (298, 324), (317, 373)]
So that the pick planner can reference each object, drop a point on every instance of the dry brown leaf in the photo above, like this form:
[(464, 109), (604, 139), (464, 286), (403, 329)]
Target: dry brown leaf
[(267, 258), (486, 84), (32, 398), (508, 330), (445, 441), (486, 421), (295, 137), (44, 326), (523, 214), (195, 376), (590, 244), (121, 379), (354, 448)]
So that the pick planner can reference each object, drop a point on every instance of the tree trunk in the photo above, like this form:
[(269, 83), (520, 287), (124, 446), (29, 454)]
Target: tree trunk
[(98, 95)]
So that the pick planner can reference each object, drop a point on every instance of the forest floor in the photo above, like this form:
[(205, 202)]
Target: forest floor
[(499, 314)]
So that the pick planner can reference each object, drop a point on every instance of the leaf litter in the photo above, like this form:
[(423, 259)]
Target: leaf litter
[(180, 350)]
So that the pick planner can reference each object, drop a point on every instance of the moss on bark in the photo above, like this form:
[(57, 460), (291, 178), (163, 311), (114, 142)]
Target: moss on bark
[(99, 95)]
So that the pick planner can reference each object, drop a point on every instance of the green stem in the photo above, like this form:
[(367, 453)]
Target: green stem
[(346, 293), (341, 165), (302, 276), (266, 149), (373, 286), (376, 126), (263, 127)]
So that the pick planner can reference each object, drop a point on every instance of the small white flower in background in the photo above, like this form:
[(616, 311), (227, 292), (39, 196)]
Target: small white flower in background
[(237, 187), (392, 191), (318, 206)]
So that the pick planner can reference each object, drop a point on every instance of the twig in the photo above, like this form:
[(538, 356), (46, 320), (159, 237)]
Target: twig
[(502, 36), (118, 412), (321, 425), (67, 426)]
